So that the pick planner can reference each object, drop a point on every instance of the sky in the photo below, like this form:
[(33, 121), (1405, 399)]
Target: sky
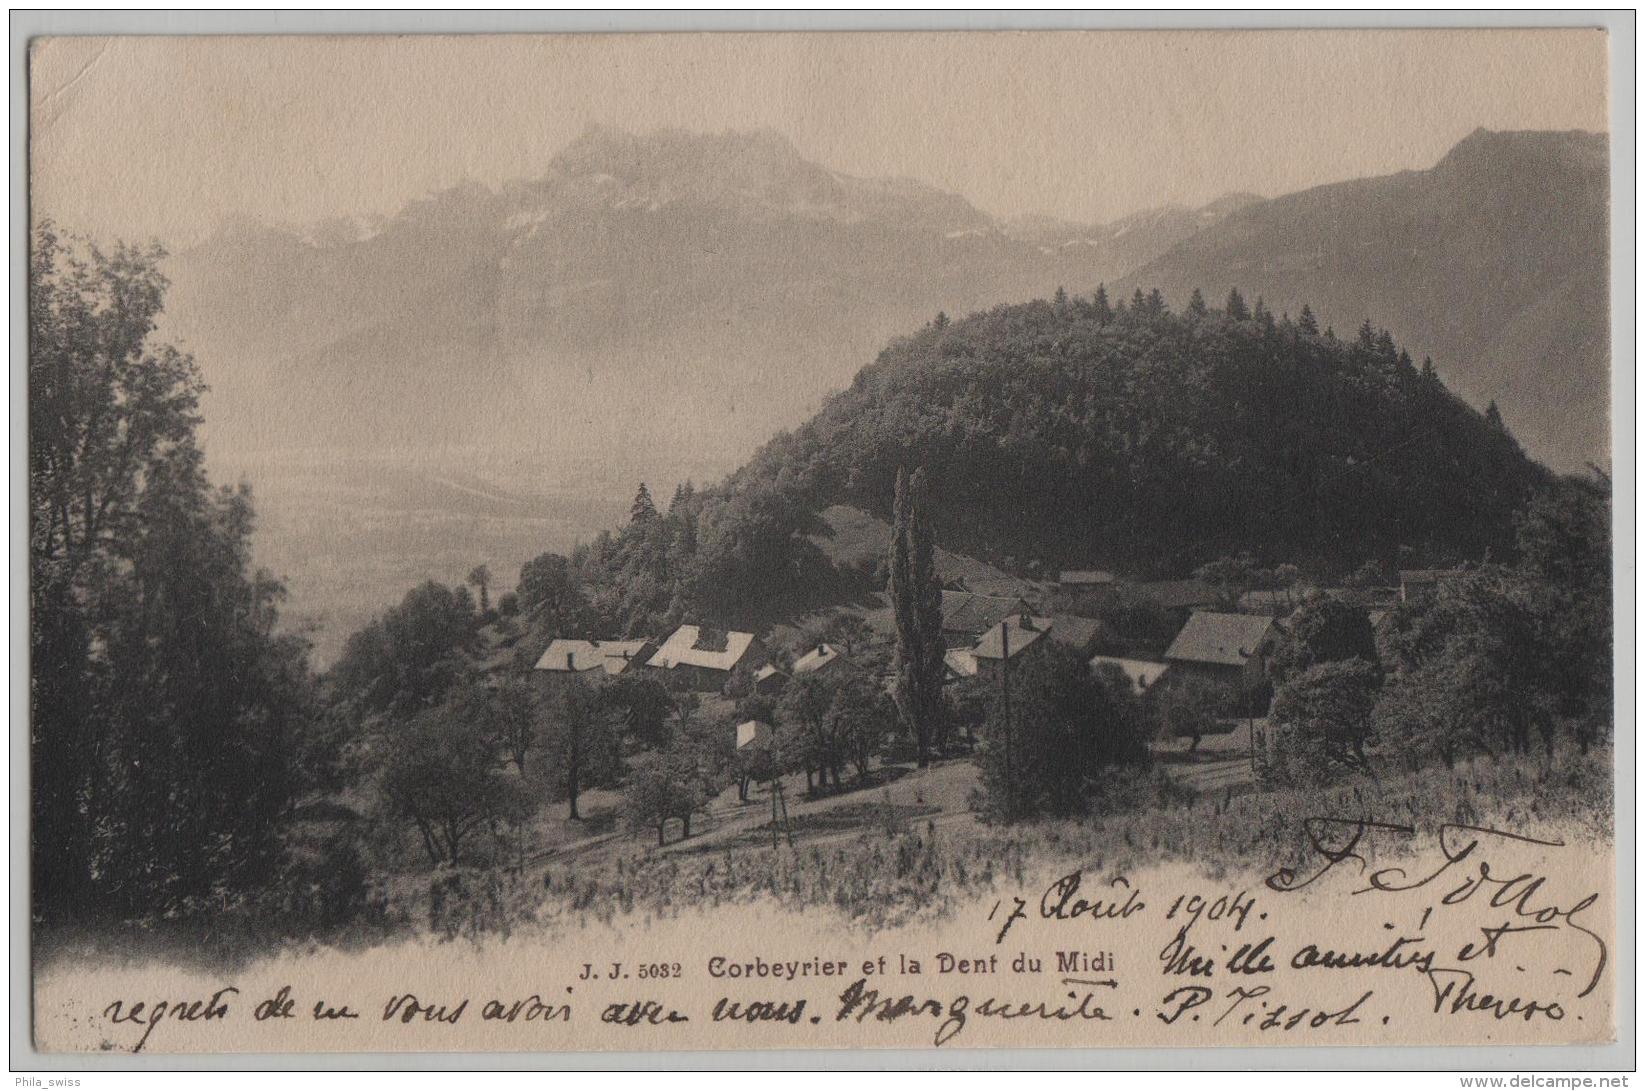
[(166, 137)]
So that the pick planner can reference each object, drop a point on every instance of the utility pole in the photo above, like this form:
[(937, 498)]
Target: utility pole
[(1005, 709), (1250, 724), (779, 803)]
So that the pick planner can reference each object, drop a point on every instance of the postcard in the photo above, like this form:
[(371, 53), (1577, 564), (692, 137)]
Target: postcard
[(751, 541)]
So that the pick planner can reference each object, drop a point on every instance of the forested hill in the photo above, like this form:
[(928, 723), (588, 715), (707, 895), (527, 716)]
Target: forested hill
[(1495, 261), (1062, 432)]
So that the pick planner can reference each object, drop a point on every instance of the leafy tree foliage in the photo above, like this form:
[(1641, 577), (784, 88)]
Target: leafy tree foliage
[(410, 657), (1324, 629), (1469, 670), (1232, 577), (442, 776), (859, 718), (581, 742), (1564, 541), (663, 785), (1323, 719), (168, 719), (514, 717), (551, 594), (1190, 708), (1066, 732), (810, 739), (1101, 309), (639, 708)]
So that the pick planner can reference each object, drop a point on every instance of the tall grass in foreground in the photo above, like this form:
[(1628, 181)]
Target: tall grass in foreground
[(898, 867), (885, 877)]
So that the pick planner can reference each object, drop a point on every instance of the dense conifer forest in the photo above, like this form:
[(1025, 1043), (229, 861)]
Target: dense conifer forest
[(1069, 431)]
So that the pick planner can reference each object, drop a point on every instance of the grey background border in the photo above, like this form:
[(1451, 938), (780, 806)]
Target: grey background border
[(1619, 1056)]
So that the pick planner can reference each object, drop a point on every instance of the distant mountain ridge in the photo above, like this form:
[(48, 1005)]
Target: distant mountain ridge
[(669, 288), (1495, 261), (691, 292)]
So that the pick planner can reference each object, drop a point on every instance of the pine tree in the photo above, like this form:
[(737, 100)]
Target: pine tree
[(643, 510), (1235, 306), (1367, 338), (1306, 322), (1260, 312), (1196, 305), (1105, 313), (1156, 303), (1493, 417), (1139, 303), (1428, 371), (1060, 299), (941, 321)]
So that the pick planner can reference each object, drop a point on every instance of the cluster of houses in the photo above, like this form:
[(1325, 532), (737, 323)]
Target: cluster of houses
[(1227, 645), (693, 657), (702, 659)]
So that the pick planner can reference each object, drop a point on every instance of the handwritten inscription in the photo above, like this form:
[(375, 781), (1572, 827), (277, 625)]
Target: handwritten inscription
[(1475, 929)]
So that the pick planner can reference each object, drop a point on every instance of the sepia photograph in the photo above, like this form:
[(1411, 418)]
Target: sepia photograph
[(747, 541)]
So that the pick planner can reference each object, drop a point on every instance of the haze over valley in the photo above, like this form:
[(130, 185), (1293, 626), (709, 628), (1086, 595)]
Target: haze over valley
[(488, 372)]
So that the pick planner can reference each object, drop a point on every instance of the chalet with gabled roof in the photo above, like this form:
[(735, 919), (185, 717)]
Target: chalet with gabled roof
[(1226, 648), (592, 660), (705, 659)]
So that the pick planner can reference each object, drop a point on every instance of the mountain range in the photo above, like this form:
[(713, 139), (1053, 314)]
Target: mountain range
[(1495, 262), (681, 292)]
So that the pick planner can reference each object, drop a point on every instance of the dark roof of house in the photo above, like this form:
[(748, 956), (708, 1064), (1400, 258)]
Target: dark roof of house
[(1284, 598), (992, 644), (1083, 577), (1224, 639), (1076, 632), (1175, 594), (817, 658), (970, 612)]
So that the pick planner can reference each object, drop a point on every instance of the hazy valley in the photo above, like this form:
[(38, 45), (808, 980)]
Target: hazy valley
[(656, 307)]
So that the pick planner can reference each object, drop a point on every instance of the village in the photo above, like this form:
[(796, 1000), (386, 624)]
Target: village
[(1197, 670)]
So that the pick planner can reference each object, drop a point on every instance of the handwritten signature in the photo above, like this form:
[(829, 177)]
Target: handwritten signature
[(1465, 874)]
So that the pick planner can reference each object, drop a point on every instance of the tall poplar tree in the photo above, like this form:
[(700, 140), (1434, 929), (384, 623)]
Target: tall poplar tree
[(916, 598)]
